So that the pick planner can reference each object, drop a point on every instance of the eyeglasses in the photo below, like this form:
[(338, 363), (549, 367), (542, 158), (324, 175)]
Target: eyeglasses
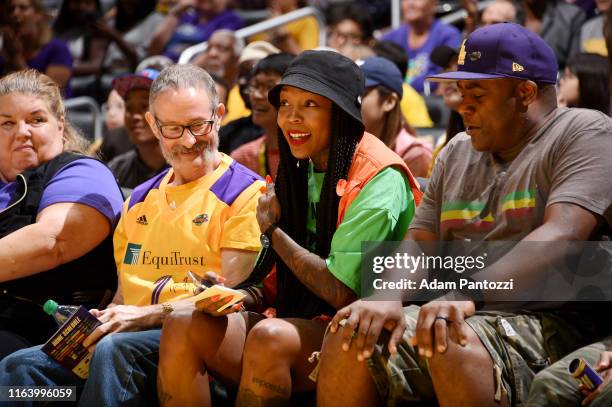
[(174, 131), (352, 38), (263, 88)]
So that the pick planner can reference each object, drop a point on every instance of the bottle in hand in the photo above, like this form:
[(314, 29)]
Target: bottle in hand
[(61, 313)]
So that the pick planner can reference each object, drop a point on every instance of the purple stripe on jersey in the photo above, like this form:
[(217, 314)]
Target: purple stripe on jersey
[(159, 286), (230, 185), (141, 191)]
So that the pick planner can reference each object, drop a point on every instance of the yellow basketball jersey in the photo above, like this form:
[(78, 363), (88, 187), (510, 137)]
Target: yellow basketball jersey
[(167, 230)]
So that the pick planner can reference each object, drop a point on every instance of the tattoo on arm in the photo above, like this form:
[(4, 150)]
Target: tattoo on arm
[(312, 271)]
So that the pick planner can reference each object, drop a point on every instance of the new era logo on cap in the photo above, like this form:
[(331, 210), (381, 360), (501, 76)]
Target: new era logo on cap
[(504, 50)]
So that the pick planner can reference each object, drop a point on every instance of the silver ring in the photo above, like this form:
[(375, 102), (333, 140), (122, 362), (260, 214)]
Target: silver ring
[(443, 318)]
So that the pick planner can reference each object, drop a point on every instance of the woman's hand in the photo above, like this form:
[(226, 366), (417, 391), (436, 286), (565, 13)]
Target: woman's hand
[(212, 304), (268, 208)]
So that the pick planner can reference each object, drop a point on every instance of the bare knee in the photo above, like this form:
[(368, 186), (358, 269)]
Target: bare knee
[(176, 326), (466, 373), (271, 341), (332, 352)]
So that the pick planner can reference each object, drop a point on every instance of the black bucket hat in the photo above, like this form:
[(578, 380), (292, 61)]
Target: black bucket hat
[(326, 73)]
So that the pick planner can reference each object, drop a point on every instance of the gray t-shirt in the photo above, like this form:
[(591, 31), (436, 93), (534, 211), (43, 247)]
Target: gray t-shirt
[(473, 196)]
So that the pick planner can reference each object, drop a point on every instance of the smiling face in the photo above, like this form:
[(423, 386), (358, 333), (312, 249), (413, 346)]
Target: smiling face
[(264, 114), (305, 120), (136, 105), (491, 110), (190, 156), (30, 134)]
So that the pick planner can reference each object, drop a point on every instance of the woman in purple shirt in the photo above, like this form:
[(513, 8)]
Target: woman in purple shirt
[(190, 22), (27, 42), (58, 210), (419, 35)]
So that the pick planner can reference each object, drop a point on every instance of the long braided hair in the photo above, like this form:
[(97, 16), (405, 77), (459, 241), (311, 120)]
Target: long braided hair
[(293, 298)]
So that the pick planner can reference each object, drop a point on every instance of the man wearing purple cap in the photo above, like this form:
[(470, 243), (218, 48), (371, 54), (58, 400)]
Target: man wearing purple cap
[(525, 170)]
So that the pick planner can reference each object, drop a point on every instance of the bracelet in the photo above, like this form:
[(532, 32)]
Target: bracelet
[(167, 308), (256, 295)]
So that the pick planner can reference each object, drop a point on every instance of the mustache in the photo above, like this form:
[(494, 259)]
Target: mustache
[(196, 148)]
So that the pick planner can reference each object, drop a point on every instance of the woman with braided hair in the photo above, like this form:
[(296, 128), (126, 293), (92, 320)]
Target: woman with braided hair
[(336, 186)]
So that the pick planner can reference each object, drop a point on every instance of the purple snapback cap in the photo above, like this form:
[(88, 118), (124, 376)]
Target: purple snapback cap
[(504, 50)]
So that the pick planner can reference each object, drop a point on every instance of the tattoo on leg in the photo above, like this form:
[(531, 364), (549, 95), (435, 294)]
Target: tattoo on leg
[(164, 397), (247, 398), (271, 386)]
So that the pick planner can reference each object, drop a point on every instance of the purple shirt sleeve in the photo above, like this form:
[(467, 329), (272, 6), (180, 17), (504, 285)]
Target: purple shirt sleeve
[(88, 182), (190, 31), (419, 64), (55, 52)]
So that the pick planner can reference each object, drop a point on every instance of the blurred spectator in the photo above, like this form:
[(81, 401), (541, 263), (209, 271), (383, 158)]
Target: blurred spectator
[(128, 34), (592, 33), (419, 35), (190, 22), (145, 160), (27, 42), (498, 12), (223, 88), (242, 130), (116, 141), (261, 155), (413, 104), (557, 22), (585, 83), (588, 6), (237, 100), (446, 58), (382, 114), (221, 55), (293, 37), (356, 51), (157, 62), (59, 209), (73, 24), (115, 110), (348, 23)]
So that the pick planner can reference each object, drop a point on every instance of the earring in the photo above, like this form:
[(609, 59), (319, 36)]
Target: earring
[(298, 164)]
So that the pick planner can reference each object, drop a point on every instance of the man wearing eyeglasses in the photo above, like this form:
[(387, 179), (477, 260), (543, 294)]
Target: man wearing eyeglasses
[(197, 216)]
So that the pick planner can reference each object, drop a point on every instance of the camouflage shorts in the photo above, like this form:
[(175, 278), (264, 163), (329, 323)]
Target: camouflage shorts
[(554, 386), (520, 346)]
